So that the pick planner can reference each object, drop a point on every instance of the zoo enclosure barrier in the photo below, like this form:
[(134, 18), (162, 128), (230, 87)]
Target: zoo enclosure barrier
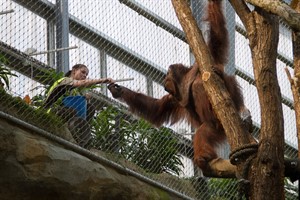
[(40, 40)]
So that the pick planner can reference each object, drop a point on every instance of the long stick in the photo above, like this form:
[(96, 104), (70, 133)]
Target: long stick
[(124, 79)]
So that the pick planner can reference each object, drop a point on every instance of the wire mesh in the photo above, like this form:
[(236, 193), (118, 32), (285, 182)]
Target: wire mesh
[(122, 39)]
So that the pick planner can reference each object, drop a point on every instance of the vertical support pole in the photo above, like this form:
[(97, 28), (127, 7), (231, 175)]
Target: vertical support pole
[(50, 43), (230, 22), (149, 87), (62, 35), (103, 70)]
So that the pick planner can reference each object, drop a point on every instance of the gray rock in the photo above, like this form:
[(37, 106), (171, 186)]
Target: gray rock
[(35, 168)]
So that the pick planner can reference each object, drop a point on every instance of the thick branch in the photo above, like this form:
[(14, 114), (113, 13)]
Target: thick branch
[(295, 4), (295, 92), (296, 83), (221, 168), (281, 9), (213, 85), (241, 10)]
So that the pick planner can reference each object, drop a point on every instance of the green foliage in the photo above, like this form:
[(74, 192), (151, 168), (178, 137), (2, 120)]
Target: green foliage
[(152, 149), (155, 149), (50, 76), (16, 107), (104, 129), (5, 73), (222, 189)]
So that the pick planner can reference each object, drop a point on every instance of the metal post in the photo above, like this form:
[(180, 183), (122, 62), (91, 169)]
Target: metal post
[(230, 22), (62, 35), (149, 87), (50, 42), (103, 70)]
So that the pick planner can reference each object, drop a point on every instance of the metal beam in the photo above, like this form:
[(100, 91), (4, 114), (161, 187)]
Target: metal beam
[(24, 64), (62, 35), (157, 20)]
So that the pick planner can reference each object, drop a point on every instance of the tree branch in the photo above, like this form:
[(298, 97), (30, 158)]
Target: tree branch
[(246, 17), (241, 10), (281, 9), (296, 83)]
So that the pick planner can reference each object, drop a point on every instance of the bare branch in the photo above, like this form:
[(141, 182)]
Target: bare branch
[(288, 75)]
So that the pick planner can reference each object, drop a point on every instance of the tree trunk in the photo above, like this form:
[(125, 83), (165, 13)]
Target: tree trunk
[(267, 172)]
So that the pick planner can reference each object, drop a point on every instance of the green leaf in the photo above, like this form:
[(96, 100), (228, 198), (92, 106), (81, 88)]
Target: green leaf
[(5, 73)]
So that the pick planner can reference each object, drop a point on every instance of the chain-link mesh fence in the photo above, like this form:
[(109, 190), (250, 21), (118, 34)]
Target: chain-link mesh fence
[(137, 40)]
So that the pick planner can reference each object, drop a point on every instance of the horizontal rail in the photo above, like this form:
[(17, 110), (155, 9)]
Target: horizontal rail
[(157, 20), (24, 64), (244, 75)]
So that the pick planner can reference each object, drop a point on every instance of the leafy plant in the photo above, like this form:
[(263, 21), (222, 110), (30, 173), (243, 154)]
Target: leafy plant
[(104, 129), (155, 150), (223, 189), (50, 76), (152, 149), (16, 107), (220, 188), (5, 73)]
